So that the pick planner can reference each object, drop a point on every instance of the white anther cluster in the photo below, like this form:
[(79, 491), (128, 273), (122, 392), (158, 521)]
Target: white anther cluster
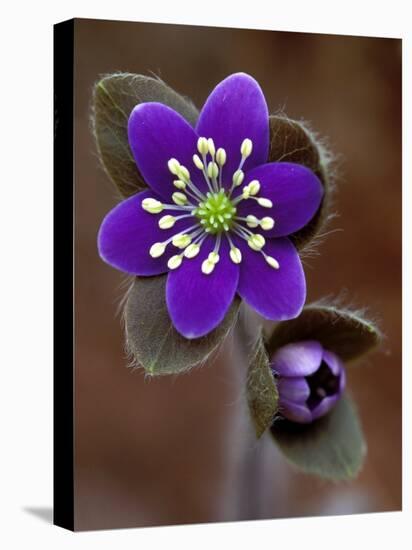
[(214, 212)]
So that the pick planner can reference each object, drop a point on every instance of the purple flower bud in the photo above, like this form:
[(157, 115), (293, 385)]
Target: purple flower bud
[(310, 380)]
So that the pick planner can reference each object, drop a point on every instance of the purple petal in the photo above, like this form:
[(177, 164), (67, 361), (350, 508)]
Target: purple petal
[(156, 134), (298, 359), (324, 406), (333, 362), (293, 389), (128, 232), (294, 412), (276, 294), (197, 302), (235, 110), (294, 190)]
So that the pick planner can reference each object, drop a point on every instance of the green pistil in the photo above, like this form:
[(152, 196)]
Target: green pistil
[(216, 213)]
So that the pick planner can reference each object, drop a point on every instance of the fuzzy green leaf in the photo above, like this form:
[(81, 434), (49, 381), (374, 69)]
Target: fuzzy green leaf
[(151, 339), (292, 141), (333, 447), (262, 394), (114, 98), (346, 333)]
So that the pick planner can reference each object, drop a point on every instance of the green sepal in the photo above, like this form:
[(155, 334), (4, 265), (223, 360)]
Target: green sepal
[(332, 447), (262, 394), (151, 339), (114, 98), (293, 141), (343, 331)]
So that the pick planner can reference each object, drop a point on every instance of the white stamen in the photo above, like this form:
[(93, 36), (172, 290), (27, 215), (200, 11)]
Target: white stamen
[(179, 198), (184, 177), (177, 238), (272, 262), (213, 257), (212, 170), (202, 146), (256, 242), (207, 267), (246, 148), (266, 203), (180, 208), (238, 178), (152, 205), (192, 250), (252, 221), (166, 222), (207, 180), (211, 147), (235, 255), (267, 223), (183, 173), (254, 187), (179, 184), (181, 240), (221, 156), (197, 162), (245, 193), (242, 232), (157, 249), (175, 261), (173, 166)]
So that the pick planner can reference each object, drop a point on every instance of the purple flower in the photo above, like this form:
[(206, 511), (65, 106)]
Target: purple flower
[(310, 380), (217, 215)]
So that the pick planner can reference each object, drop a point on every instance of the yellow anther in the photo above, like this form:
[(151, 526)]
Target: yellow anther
[(252, 221), (238, 178), (211, 146), (254, 187), (221, 156), (267, 223), (183, 173), (256, 242), (272, 262), (213, 257), (266, 203), (235, 255), (166, 222), (197, 162), (175, 261), (207, 267), (179, 184), (212, 170), (202, 146), (152, 205), (181, 241), (173, 166), (157, 249), (192, 250), (179, 198), (246, 148)]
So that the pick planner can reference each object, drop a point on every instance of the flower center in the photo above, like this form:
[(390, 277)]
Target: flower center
[(322, 383), (216, 213)]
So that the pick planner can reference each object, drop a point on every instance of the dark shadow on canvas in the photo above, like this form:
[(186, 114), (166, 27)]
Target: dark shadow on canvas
[(44, 513)]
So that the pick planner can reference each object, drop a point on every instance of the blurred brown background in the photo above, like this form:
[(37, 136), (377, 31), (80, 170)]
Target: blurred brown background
[(181, 449)]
